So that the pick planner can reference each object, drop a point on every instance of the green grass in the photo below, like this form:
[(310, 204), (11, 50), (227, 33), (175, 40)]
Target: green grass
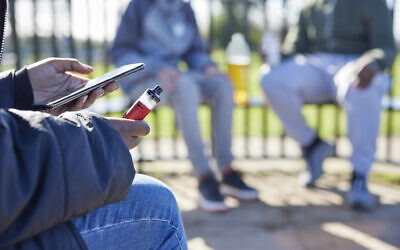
[(386, 178), (261, 121)]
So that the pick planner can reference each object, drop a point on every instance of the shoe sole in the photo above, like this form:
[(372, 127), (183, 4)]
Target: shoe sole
[(227, 190), (212, 206)]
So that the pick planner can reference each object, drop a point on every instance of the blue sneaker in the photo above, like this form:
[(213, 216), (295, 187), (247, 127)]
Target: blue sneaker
[(233, 185), (358, 197), (210, 198), (314, 156)]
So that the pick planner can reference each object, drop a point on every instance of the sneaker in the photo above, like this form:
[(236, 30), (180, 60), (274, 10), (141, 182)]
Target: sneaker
[(315, 155), (358, 197), (210, 198), (233, 185)]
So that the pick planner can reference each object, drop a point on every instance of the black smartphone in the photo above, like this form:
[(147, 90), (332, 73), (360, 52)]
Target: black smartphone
[(93, 84)]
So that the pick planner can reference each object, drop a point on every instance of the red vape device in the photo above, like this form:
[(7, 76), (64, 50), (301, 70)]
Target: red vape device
[(146, 102)]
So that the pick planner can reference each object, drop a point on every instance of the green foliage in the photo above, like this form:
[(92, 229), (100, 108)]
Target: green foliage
[(386, 178)]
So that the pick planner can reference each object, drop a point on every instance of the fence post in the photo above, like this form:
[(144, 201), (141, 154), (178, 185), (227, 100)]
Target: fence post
[(229, 22), (14, 35), (211, 29), (245, 19), (105, 41), (54, 45), (36, 43), (89, 54), (72, 48)]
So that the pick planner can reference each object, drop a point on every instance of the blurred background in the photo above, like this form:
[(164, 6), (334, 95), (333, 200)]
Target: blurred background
[(287, 216), (84, 29)]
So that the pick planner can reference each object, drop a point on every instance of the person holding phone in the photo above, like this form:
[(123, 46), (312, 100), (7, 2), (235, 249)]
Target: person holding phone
[(66, 180), (162, 33)]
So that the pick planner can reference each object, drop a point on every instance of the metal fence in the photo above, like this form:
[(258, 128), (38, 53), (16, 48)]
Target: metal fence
[(81, 29)]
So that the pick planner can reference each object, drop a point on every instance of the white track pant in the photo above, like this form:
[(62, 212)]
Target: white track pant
[(323, 77)]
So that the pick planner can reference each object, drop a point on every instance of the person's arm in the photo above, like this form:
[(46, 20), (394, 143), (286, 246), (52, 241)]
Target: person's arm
[(43, 81), (296, 40), (197, 57), (56, 168), (125, 50), (380, 35), (16, 90)]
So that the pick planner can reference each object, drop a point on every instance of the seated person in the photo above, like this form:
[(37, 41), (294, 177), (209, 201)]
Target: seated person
[(161, 34), (343, 48), (66, 181)]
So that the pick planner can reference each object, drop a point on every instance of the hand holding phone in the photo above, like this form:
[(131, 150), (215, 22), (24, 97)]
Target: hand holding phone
[(93, 85)]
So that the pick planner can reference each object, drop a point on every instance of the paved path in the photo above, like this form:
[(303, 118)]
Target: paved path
[(290, 217)]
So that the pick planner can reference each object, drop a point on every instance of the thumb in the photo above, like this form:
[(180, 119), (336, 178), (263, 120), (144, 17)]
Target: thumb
[(131, 127), (70, 64)]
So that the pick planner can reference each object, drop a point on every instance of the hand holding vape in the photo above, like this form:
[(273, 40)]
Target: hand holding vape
[(146, 102)]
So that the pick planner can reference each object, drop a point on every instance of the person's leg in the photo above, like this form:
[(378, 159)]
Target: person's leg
[(185, 101), (363, 109), (290, 85), (148, 218), (297, 81), (218, 91)]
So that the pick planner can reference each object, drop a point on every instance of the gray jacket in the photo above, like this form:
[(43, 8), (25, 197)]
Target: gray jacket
[(53, 169), (159, 34)]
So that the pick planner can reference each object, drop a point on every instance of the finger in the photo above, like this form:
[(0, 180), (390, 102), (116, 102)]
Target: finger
[(92, 97), (110, 87), (131, 127), (364, 79), (356, 83), (133, 142), (75, 82), (77, 104), (366, 82), (137, 128), (70, 64)]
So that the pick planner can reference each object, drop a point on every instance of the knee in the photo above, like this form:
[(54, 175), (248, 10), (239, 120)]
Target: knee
[(186, 91), (222, 89), (270, 83), (153, 193), (223, 85)]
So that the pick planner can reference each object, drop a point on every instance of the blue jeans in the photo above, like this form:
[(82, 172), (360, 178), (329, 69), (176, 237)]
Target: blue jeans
[(148, 218)]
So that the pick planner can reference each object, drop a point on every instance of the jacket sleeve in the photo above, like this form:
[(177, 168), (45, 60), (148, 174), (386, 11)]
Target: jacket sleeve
[(56, 168), (380, 34), (197, 57), (125, 49), (16, 90), (296, 40)]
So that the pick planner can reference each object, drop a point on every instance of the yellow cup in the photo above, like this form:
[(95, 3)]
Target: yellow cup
[(238, 76)]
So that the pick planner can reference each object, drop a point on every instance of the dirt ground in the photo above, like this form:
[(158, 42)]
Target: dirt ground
[(289, 216)]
